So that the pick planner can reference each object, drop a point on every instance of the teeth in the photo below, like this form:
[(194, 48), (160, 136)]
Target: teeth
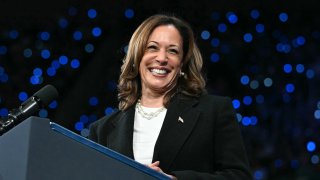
[(159, 71)]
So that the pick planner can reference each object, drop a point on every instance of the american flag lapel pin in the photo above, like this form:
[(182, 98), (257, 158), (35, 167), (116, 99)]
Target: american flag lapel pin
[(180, 120)]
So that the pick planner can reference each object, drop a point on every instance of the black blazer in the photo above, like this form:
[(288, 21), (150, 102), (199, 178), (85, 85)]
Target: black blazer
[(207, 145)]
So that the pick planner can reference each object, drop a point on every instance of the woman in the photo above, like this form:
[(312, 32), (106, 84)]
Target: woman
[(165, 119)]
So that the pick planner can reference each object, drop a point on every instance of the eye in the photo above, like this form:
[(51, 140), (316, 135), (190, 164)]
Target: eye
[(152, 47), (173, 51)]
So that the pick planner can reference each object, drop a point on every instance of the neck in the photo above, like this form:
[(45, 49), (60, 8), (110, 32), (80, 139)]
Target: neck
[(152, 100)]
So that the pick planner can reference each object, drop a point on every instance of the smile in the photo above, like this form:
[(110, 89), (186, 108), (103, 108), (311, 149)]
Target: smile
[(159, 71)]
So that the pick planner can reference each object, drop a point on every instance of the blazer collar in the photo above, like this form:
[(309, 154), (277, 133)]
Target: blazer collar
[(122, 137), (177, 126)]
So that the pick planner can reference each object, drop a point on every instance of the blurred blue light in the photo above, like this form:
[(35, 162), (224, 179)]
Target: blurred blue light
[(222, 27), (317, 114), (51, 71), (215, 42), (315, 159), (55, 64), (232, 17), (34, 80), (318, 105), (286, 98), (290, 88), (310, 73), (301, 40), (247, 100), (129, 13), (93, 101), (311, 146), (1, 70), (27, 53), (77, 35), (300, 68), (108, 111), (37, 72), (43, 113), (84, 119), (4, 112), (246, 121), (45, 54), (92, 13), (258, 175), (215, 16), (3, 50), (13, 34), (236, 103), (96, 32), (79, 126), (45, 36), (239, 117), (125, 49), (278, 163), (283, 47), (214, 57), (72, 11), (53, 104), (283, 17), (245, 80), (254, 120), (89, 48), (63, 60), (75, 63), (287, 68), (247, 37), (23, 96), (254, 84), (294, 164), (63, 23), (254, 14), (4, 78), (85, 132), (260, 99), (205, 35), (260, 28), (268, 82)]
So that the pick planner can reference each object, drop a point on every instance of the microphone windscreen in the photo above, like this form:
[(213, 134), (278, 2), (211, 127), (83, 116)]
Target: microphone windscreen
[(46, 94)]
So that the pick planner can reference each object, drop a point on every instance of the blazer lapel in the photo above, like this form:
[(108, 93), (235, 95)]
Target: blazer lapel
[(122, 136), (177, 126)]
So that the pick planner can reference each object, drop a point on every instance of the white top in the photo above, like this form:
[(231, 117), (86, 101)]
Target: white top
[(145, 134)]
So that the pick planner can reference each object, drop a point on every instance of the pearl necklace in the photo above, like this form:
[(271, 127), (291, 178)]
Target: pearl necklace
[(148, 115)]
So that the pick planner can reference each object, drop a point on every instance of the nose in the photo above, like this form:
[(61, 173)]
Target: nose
[(162, 57)]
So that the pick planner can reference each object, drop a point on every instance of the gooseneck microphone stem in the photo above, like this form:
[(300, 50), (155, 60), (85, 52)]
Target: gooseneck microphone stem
[(40, 99), (18, 115)]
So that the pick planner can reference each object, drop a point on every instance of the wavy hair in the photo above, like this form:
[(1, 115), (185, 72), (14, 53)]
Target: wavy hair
[(192, 83)]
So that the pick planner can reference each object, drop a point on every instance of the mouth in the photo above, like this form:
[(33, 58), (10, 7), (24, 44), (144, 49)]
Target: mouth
[(159, 71)]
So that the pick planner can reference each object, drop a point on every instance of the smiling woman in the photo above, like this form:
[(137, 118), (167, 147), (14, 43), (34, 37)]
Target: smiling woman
[(166, 119)]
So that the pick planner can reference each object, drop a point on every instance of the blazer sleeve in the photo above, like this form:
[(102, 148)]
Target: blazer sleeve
[(230, 158)]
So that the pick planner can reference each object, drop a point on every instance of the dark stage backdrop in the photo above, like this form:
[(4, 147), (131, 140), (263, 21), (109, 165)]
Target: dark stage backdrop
[(264, 54)]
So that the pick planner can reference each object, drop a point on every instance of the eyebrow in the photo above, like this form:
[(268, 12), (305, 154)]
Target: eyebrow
[(171, 45)]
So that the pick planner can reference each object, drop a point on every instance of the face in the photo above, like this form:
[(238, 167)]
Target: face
[(162, 60)]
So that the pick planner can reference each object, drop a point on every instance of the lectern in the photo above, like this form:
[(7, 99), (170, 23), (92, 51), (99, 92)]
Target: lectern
[(38, 149)]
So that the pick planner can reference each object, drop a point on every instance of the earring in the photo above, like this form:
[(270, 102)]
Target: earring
[(181, 73)]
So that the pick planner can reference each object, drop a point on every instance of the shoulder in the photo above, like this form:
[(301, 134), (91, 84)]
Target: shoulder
[(214, 99), (104, 121)]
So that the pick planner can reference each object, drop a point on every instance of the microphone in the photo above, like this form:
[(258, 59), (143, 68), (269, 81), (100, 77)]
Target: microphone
[(39, 100)]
